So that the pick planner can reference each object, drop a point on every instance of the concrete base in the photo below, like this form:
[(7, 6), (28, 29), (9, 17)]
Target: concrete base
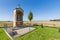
[(23, 31), (18, 31)]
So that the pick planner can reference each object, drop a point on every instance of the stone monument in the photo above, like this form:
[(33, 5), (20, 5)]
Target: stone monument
[(18, 17)]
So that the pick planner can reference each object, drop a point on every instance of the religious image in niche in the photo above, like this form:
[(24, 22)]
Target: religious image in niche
[(18, 17)]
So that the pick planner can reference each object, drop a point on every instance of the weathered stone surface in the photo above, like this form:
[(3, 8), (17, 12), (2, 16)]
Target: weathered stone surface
[(18, 17)]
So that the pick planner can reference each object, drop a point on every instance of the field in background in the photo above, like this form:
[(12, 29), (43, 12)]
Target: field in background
[(47, 23), (5, 22)]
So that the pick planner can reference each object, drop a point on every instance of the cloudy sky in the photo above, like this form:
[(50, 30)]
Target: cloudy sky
[(42, 9)]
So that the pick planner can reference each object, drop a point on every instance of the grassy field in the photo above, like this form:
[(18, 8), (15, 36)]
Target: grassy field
[(46, 33), (48, 23), (5, 22), (3, 35)]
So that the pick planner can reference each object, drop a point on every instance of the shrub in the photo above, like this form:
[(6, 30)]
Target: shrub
[(41, 25), (59, 29)]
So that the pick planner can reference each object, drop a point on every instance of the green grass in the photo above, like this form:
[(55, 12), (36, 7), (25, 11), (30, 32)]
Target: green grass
[(45, 33), (3, 35)]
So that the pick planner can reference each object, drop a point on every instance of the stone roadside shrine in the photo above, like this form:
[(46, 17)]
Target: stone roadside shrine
[(18, 17), (18, 28)]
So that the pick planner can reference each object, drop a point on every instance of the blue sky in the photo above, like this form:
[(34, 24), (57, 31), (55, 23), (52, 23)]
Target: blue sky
[(42, 9)]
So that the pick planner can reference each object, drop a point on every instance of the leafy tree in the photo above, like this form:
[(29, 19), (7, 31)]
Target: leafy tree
[(30, 16)]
